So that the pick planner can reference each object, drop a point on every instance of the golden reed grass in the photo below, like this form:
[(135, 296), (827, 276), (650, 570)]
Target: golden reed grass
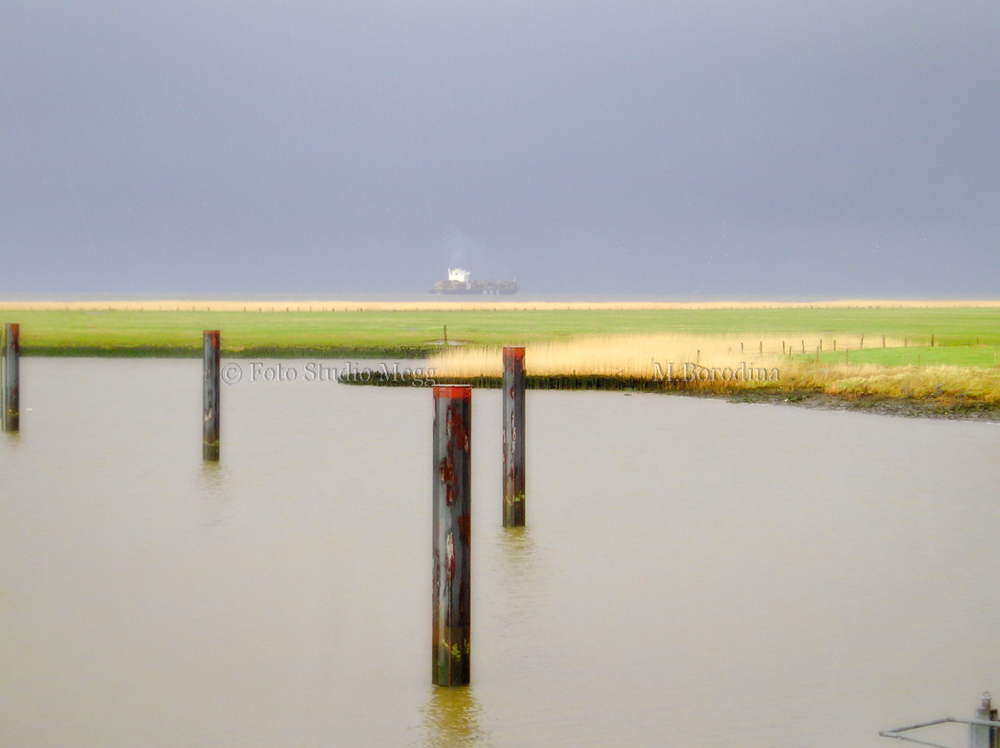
[(646, 357), (847, 380), (638, 355)]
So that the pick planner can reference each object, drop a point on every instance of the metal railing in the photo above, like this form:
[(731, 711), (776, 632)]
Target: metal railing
[(984, 730)]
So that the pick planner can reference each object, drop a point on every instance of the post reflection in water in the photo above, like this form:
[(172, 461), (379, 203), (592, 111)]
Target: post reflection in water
[(452, 717), (217, 505), (517, 556)]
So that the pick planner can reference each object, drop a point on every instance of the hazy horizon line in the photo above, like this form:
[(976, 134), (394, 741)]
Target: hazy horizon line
[(455, 304)]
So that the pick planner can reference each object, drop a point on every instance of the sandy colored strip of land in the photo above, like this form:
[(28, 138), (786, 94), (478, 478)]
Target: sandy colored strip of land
[(463, 305)]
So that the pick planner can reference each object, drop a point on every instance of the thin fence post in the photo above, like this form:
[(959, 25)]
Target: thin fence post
[(210, 396), (451, 605), (514, 382), (10, 378)]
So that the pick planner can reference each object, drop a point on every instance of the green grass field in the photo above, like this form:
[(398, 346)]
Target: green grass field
[(962, 336)]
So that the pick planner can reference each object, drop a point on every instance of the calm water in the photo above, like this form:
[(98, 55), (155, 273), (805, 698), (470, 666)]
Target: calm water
[(694, 573)]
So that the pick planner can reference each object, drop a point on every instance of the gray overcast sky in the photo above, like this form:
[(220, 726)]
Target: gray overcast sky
[(663, 150)]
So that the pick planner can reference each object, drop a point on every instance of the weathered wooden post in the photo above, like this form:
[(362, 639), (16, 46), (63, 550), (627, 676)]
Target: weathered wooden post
[(10, 377), (451, 629), (210, 396), (984, 736), (514, 384)]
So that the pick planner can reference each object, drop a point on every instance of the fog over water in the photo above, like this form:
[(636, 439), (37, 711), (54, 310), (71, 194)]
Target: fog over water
[(589, 149)]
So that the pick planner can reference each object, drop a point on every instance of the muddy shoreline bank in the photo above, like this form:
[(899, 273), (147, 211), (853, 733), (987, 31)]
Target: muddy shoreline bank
[(955, 409)]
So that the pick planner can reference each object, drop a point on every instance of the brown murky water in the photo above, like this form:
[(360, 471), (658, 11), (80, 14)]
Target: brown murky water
[(694, 573)]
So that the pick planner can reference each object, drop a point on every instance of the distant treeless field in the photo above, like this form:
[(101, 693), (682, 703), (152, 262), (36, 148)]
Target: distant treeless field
[(966, 333), (451, 303)]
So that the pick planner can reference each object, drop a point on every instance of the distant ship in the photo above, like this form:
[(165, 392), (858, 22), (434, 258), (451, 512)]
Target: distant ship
[(458, 283)]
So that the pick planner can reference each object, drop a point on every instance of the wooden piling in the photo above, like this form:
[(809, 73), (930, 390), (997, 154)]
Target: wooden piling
[(514, 383), (883, 341), (451, 605), (10, 377), (210, 396)]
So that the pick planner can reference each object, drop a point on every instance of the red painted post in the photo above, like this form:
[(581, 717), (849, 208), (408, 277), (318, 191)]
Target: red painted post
[(210, 396), (10, 378), (451, 605), (514, 385)]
